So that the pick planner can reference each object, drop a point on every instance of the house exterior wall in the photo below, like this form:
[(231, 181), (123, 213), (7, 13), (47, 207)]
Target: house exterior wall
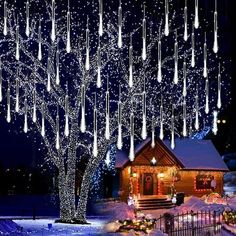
[(185, 180), (187, 183)]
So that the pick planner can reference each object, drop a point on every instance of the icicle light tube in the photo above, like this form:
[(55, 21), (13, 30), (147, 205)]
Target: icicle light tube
[(119, 138), (100, 17), (83, 122), (215, 44), (185, 22), (53, 32), (144, 36), (120, 26), (5, 19), (131, 63), (166, 17), (131, 150), (27, 29)]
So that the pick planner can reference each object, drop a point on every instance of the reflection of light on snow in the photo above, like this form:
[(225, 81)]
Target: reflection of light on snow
[(40, 227)]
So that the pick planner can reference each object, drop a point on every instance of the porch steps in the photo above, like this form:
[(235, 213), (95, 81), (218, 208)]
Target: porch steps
[(154, 203)]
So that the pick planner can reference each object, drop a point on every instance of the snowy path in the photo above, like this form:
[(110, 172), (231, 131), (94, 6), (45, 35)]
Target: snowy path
[(40, 227)]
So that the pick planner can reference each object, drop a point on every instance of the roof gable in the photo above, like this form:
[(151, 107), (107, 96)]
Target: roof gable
[(188, 154)]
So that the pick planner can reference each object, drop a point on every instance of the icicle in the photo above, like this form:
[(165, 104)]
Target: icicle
[(34, 106), (8, 104), (87, 48), (153, 133), (43, 122), (159, 74), (27, 30), (5, 18), (193, 49), (219, 89), (99, 82), (166, 17), (176, 61), (196, 111), (49, 76), (26, 118), (40, 42), (184, 118), (185, 78), (53, 33), (100, 17), (108, 159), (205, 59), (95, 138), (66, 114), (144, 126), (172, 129), (107, 131), (215, 128), (82, 122), (207, 96), (196, 19), (17, 95), (57, 67), (119, 139), (17, 43), (215, 45), (68, 45), (131, 63), (161, 136), (131, 150), (57, 130), (144, 51), (185, 22), (120, 26)]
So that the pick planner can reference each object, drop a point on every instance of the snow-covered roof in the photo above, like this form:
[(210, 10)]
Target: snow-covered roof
[(121, 159), (192, 153), (197, 154)]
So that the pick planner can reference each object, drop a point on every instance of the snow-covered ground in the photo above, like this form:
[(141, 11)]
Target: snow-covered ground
[(49, 227)]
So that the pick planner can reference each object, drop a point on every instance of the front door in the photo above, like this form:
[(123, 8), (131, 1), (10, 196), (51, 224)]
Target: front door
[(148, 184)]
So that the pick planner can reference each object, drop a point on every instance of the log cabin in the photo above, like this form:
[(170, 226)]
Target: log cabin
[(194, 167)]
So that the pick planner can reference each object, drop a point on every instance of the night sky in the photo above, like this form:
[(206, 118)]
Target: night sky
[(17, 150)]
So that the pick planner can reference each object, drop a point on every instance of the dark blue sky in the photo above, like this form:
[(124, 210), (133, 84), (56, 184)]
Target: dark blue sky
[(18, 150)]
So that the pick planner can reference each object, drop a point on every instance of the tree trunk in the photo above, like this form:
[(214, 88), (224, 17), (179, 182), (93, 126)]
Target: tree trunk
[(66, 185), (84, 190)]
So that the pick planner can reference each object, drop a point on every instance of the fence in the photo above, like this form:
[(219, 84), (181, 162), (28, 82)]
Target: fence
[(199, 223)]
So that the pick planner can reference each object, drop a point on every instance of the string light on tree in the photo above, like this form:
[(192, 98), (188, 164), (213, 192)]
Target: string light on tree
[(44, 81)]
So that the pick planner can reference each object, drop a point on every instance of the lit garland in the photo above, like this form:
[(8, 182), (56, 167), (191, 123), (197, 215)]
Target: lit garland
[(53, 104)]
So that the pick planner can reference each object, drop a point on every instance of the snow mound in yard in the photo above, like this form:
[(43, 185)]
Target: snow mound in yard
[(115, 210), (196, 204), (8, 227)]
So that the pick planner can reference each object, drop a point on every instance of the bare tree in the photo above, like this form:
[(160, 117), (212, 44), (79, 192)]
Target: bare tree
[(84, 93)]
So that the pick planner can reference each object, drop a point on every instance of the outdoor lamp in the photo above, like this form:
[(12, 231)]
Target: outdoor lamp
[(154, 161), (174, 199)]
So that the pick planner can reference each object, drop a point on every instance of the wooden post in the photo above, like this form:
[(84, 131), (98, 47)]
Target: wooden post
[(214, 221)]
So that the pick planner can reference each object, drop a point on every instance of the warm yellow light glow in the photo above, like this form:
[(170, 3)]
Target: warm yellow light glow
[(134, 175), (218, 121), (223, 121), (129, 170), (161, 175)]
